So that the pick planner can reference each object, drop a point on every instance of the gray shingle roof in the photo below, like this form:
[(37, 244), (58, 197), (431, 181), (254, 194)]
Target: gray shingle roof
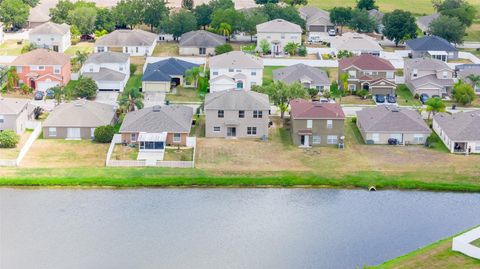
[(462, 126), (202, 39), (236, 59), (298, 72), (427, 43), (418, 82), (107, 57), (391, 119), (278, 26), (426, 64), (12, 106), (105, 74), (134, 37), (424, 21), (50, 28), (237, 100), (80, 113), (172, 119), (165, 69)]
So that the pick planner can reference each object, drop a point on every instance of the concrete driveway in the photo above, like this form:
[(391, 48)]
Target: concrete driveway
[(153, 98), (107, 97)]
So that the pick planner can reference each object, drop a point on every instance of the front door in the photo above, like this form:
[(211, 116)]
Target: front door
[(304, 140), (55, 48), (231, 131)]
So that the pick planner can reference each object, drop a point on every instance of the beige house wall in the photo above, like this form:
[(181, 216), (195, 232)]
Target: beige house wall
[(231, 119)]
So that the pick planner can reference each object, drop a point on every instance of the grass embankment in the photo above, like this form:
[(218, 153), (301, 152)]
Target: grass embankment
[(436, 255)]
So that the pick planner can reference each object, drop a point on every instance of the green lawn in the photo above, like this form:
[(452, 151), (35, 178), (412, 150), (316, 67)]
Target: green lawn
[(198, 130), (268, 75), (82, 46), (476, 243), (11, 48), (135, 81), (184, 95), (437, 144), (174, 154), (405, 97), (166, 49)]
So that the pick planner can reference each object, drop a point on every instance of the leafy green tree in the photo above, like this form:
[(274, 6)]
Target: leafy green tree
[(291, 48), (362, 21), (263, 2), (155, 11), (399, 26), (57, 94), (229, 16), (442, 5), (288, 13), (302, 51), (81, 57), (179, 23), (105, 20), (463, 93), (28, 47), (224, 29), (252, 19), (281, 94), (129, 13), (187, 4), (14, 13), (25, 89), (85, 88), (474, 80), (465, 13), (434, 105), (313, 92), (344, 54), (131, 99), (31, 3), (104, 134), (12, 79), (296, 2), (192, 74), (202, 14), (60, 12), (264, 46), (449, 28), (223, 49), (221, 4), (9, 139), (366, 4), (84, 19), (341, 16)]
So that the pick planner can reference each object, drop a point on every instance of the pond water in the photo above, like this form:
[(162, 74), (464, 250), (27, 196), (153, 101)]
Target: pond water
[(223, 228)]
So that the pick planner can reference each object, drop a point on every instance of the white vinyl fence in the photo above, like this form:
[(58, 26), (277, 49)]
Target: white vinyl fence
[(462, 243), (16, 162)]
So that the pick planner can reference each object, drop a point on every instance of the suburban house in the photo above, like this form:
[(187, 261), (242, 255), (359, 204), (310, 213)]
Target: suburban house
[(155, 127), (423, 22), (235, 70), (78, 119), (236, 114), (460, 132), (356, 43), (14, 114), (278, 33), (42, 69), (316, 124), (38, 15), (463, 74), (428, 76), (368, 72), (317, 22), (133, 42), (161, 76), (199, 43), (403, 126), (51, 36), (308, 76), (431, 46), (110, 70)]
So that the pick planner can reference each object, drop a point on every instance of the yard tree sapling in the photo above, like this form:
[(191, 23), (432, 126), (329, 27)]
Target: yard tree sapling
[(434, 105), (8, 139), (449, 28), (281, 94), (341, 16), (463, 93)]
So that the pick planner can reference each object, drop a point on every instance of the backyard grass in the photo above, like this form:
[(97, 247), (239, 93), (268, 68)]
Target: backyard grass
[(356, 100), (135, 82), (81, 46), (405, 97), (198, 130), (11, 48), (12, 153), (268, 73), (166, 49), (437, 144), (184, 95), (182, 154), (473, 32), (124, 153), (436, 255)]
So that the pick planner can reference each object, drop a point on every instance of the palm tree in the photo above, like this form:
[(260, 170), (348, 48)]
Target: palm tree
[(291, 48), (225, 29), (131, 100), (12, 79), (434, 105), (191, 75), (475, 79), (81, 56)]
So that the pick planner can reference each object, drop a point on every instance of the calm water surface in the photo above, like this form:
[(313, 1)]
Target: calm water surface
[(222, 228)]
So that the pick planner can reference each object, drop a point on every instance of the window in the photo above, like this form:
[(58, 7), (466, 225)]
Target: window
[(56, 70), (251, 130), (375, 137), (329, 124), (239, 84), (91, 69), (2, 118), (177, 138), (230, 70), (220, 113), (320, 87), (389, 75), (283, 36), (216, 129), (332, 139), (293, 37), (257, 114), (241, 113), (477, 147), (52, 132), (352, 87), (133, 137), (316, 139), (418, 138), (215, 73), (238, 70), (120, 67), (52, 39), (445, 74), (92, 132), (415, 73), (19, 69), (136, 49), (309, 124), (268, 37), (253, 73), (202, 51), (41, 67), (352, 74)]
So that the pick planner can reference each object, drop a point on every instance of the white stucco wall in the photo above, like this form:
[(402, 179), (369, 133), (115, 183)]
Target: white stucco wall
[(62, 41), (254, 76)]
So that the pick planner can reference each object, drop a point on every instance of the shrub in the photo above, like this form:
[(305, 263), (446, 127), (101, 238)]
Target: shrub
[(104, 134), (133, 69), (28, 47), (463, 93), (302, 51), (362, 93), (223, 49), (8, 139), (313, 92), (85, 88)]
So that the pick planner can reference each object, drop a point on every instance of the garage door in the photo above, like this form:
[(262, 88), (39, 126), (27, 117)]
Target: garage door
[(317, 28), (43, 86)]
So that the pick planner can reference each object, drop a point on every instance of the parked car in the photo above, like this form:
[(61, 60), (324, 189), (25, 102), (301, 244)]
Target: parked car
[(392, 141), (332, 32), (391, 99), (424, 97), (38, 95), (379, 98)]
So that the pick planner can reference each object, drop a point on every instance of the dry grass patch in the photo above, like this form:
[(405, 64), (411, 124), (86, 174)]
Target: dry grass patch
[(11, 48), (356, 100), (124, 153), (166, 49), (178, 154), (12, 153)]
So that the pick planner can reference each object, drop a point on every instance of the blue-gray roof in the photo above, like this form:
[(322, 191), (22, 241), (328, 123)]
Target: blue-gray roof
[(432, 42), (165, 69)]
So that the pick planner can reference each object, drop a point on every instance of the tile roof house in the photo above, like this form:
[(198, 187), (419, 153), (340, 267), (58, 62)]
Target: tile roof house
[(134, 42), (423, 22), (110, 70), (14, 114), (78, 119), (356, 43), (42, 69), (278, 33), (317, 22), (381, 123), (235, 70), (162, 75), (463, 74), (51, 36), (236, 114), (308, 76), (432, 47), (316, 124), (200, 43), (428, 76), (368, 72), (460, 132), (168, 125)]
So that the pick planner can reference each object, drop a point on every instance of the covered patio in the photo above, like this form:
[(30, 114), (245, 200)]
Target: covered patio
[(151, 146)]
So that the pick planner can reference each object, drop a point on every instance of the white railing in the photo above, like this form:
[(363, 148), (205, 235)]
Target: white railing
[(8, 162), (176, 164), (117, 138), (26, 147), (462, 243)]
